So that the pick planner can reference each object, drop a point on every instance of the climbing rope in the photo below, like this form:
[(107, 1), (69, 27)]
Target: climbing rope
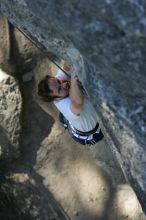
[(43, 49)]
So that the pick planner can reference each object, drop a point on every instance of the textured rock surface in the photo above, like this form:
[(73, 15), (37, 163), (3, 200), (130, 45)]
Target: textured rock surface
[(4, 40), (10, 116), (23, 198), (10, 99), (105, 41), (22, 52)]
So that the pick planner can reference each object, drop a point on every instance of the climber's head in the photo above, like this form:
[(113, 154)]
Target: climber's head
[(51, 88)]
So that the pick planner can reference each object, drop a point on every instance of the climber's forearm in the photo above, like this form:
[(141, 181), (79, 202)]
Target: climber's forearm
[(67, 69), (76, 96)]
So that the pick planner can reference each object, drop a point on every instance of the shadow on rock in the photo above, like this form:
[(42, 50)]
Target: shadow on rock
[(7, 149), (36, 126), (24, 197)]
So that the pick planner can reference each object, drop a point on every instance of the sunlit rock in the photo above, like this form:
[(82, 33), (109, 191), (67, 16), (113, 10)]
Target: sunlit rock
[(10, 116)]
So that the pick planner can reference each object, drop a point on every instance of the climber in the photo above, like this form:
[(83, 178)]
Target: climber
[(76, 112)]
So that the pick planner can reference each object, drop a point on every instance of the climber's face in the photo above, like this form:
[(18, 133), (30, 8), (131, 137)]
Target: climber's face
[(59, 88)]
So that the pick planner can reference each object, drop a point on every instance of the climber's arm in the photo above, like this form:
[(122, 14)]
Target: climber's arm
[(67, 68), (76, 96)]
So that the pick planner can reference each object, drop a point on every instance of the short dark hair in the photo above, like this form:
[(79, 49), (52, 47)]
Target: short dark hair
[(44, 91)]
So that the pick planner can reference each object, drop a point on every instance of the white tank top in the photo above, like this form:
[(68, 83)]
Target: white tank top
[(87, 120), (84, 122)]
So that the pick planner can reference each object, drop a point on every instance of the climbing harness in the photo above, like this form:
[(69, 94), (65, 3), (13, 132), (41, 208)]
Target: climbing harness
[(90, 137)]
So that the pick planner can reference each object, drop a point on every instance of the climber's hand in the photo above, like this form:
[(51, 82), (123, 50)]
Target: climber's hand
[(67, 67)]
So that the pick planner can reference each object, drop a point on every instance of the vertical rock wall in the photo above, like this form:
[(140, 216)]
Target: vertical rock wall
[(10, 116), (106, 42), (10, 100)]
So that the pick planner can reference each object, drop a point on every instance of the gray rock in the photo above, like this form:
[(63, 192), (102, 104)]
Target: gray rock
[(22, 49), (4, 40), (10, 116), (105, 42)]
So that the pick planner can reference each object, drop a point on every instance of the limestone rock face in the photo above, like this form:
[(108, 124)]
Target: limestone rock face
[(105, 42), (10, 114)]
